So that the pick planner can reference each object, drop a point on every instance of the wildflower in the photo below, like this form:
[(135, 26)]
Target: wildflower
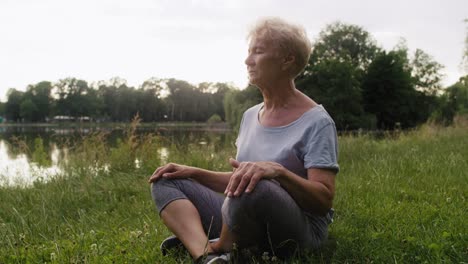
[(94, 247), (53, 256), (136, 233)]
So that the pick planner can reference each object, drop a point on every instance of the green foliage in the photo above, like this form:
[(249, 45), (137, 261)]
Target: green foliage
[(389, 93), (350, 76), (340, 58), (453, 102), (397, 200), (335, 85), (39, 155), (445, 112), (344, 42), (2, 109), (155, 100), (12, 106), (122, 157), (27, 109), (458, 96), (214, 119), (426, 73), (40, 96)]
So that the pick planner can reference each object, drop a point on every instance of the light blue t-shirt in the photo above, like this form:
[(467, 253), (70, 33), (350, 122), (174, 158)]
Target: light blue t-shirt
[(308, 142)]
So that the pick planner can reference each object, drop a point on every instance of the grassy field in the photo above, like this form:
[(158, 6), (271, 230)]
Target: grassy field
[(401, 199)]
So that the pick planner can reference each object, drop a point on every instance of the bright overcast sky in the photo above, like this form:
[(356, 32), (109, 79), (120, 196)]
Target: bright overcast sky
[(198, 40)]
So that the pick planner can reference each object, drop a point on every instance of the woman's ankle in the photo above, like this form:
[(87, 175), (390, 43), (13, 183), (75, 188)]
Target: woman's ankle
[(208, 250)]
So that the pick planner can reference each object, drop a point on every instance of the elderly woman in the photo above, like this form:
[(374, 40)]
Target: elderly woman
[(283, 180)]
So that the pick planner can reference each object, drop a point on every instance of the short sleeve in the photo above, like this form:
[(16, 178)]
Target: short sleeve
[(240, 131), (321, 150)]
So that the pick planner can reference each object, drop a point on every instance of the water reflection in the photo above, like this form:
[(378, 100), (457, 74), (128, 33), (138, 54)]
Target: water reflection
[(163, 153), (17, 162), (20, 171)]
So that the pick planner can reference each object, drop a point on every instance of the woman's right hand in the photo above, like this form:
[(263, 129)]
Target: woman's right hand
[(172, 170)]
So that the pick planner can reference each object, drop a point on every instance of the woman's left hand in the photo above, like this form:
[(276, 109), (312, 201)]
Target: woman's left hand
[(246, 175)]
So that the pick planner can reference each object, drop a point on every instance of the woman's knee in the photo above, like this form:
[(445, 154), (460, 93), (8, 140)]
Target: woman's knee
[(249, 203), (165, 190), (163, 183), (158, 186)]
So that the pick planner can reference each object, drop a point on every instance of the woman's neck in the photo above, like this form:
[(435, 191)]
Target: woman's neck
[(279, 96)]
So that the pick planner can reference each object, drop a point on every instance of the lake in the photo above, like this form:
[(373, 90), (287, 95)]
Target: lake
[(18, 149)]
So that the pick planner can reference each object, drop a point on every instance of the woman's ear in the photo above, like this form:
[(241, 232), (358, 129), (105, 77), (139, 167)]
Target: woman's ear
[(288, 62)]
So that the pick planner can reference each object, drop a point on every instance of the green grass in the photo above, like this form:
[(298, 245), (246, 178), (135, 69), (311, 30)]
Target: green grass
[(400, 199)]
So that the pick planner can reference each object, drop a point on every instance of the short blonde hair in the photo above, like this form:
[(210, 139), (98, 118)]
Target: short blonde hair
[(290, 38)]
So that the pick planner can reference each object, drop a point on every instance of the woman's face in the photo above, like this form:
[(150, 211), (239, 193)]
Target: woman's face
[(263, 62)]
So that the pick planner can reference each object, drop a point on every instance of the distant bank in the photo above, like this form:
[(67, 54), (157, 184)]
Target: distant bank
[(222, 126)]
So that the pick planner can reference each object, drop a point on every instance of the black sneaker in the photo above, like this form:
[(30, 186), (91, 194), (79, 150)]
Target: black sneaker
[(213, 258), (170, 243)]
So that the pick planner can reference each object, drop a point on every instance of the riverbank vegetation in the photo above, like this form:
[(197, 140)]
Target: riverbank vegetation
[(400, 199)]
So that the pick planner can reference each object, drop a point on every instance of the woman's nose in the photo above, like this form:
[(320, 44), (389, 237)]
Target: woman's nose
[(248, 61)]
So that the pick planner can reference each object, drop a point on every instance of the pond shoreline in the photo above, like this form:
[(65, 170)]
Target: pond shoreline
[(203, 126)]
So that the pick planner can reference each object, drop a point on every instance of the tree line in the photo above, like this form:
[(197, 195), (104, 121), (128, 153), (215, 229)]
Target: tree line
[(114, 101), (360, 84)]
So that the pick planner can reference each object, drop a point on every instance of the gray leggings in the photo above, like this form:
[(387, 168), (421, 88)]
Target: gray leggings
[(267, 218)]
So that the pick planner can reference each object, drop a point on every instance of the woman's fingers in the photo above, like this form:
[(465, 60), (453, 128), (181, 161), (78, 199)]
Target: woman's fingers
[(242, 184), (234, 163), (246, 176), (234, 181), (240, 179), (156, 174), (253, 182), (171, 174), (159, 172)]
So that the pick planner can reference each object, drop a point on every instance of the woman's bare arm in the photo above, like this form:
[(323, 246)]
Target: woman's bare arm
[(214, 180)]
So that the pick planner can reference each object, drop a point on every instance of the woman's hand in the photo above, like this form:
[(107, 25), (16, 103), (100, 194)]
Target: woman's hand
[(246, 175), (172, 170)]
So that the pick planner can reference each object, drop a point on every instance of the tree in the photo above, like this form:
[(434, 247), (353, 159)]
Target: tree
[(344, 42), (70, 93), (453, 102), (181, 100), (76, 98), (150, 106), (339, 60), (389, 93), (335, 85), (426, 73), (2, 109), (40, 96), (28, 110), (12, 106), (214, 95), (217, 98)]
